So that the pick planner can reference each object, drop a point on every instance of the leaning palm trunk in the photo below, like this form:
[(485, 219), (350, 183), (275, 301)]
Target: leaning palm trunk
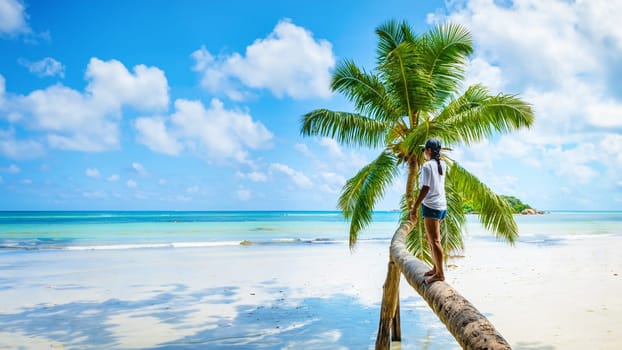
[(471, 329)]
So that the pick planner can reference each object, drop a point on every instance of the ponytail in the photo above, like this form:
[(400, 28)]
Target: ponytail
[(436, 155)]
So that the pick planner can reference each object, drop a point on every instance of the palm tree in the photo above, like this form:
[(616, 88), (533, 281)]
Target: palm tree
[(414, 94)]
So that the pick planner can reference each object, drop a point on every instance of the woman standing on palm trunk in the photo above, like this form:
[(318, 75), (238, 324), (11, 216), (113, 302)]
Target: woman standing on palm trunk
[(433, 203)]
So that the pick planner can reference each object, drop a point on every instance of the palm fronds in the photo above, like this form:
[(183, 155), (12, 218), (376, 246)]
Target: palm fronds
[(361, 192), (346, 128), (443, 58), (365, 90), (495, 214), (412, 95), (476, 115)]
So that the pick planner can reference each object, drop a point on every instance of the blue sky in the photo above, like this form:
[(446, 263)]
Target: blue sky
[(196, 105)]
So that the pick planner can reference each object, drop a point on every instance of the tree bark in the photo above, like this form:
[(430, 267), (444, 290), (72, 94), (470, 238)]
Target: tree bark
[(396, 329), (390, 301), (410, 183), (471, 329)]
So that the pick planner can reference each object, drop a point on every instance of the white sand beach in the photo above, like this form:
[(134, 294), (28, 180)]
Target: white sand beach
[(556, 295), (561, 295)]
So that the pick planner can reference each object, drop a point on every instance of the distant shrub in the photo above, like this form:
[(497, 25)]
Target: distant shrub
[(517, 205)]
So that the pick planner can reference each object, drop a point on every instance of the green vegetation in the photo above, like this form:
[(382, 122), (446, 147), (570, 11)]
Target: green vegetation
[(413, 94), (517, 205)]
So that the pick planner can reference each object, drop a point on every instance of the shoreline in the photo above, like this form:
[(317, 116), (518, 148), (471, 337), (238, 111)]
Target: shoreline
[(559, 294)]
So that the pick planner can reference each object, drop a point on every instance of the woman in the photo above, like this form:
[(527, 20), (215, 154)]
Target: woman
[(433, 205)]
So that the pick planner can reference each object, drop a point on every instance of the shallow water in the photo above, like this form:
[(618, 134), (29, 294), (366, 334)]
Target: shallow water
[(134, 230)]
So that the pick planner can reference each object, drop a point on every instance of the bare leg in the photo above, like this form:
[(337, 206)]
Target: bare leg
[(427, 238), (433, 227)]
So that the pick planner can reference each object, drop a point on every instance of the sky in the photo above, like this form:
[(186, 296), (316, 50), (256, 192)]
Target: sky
[(196, 105)]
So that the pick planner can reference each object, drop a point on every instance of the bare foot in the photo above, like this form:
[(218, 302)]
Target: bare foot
[(430, 273), (434, 278)]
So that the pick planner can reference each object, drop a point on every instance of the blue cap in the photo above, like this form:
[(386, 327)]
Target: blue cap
[(433, 144)]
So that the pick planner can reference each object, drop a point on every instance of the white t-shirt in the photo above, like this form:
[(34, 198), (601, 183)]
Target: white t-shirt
[(429, 176)]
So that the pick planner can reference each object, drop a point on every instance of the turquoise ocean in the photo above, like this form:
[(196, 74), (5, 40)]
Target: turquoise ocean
[(119, 230), (83, 272)]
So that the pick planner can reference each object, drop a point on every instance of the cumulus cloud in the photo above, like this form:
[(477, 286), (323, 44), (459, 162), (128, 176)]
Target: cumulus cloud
[(88, 121), (131, 183), (139, 169), (153, 133), (113, 178), (13, 18), (304, 149), (92, 172), (112, 86), (289, 62), (255, 176), (331, 182), (607, 114), (480, 71), (560, 56), (332, 146), (297, 177), (47, 67), (18, 149), (563, 50), (213, 132)]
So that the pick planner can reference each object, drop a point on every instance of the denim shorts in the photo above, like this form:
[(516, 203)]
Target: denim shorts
[(433, 213)]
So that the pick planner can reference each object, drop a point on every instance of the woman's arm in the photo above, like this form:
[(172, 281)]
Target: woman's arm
[(413, 210)]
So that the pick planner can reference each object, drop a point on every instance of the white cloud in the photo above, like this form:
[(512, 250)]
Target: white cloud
[(162, 182), (139, 169), (89, 120), (215, 133), (607, 114), (13, 18), (1, 180), (26, 182), (111, 86), (18, 149), (288, 62), (255, 176), (297, 177), (92, 172), (559, 53), (304, 149), (153, 134), (480, 71), (332, 146), (331, 182), (131, 183), (113, 178), (562, 57), (550, 31), (572, 164), (47, 67)]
